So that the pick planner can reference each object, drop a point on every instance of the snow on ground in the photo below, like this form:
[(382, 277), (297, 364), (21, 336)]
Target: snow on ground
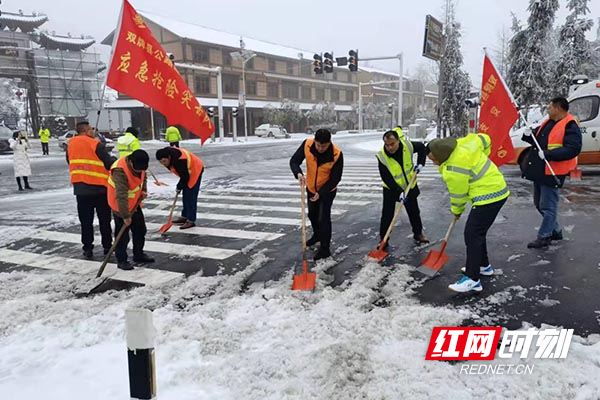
[(268, 343)]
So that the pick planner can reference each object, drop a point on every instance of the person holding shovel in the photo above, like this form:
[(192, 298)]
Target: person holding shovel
[(471, 176), (324, 166), (127, 187), (189, 168), (396, 168)]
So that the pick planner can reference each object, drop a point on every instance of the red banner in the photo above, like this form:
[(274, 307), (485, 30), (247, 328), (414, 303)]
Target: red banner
[(497, 114), (141, 69)]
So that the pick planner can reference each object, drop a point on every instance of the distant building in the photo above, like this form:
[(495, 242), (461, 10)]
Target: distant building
[(277, 72)]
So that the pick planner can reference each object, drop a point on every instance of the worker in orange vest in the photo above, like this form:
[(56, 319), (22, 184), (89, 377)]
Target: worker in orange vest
[(324, 165), (89, 163), (189, 168), (126, 190)]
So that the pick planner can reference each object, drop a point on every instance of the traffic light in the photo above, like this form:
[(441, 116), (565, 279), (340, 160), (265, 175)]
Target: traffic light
[(210, 111), (234, 112), (318, 64), (328, 62), (353, 60)]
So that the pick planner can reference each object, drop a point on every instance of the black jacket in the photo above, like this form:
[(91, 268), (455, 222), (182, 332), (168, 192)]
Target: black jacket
[(386, 175), (84, 189), (180, 166), (336, 171), (534, 167)]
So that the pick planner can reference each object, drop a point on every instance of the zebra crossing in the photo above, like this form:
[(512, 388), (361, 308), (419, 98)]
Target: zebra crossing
[(231, 216)]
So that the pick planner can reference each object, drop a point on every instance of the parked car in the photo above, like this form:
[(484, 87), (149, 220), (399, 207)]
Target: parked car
[(5, 134), (270, 130), (63, 141)]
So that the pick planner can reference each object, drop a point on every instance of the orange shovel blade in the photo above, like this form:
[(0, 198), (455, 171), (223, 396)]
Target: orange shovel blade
[(306, 280), (378, 255), (434, 261), (165, 227), (576, 174)]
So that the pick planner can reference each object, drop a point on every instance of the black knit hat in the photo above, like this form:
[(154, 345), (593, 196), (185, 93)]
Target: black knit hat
[(133, 131), (139, 159)]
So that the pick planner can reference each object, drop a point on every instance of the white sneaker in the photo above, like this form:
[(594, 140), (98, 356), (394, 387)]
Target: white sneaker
[(485, 271), (466, 284)]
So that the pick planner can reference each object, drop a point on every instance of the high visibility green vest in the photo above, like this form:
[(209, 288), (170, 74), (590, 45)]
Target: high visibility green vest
[(172, 134), (127, 144), (395, 168), (471, 176), (44, 135)]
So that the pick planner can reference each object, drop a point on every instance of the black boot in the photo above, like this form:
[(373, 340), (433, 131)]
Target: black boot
[(143, 258), (26, 183), (312, 241), (19, 183), (323, 252), (124, 265), (89, 254), (556, 235), (539, 243)]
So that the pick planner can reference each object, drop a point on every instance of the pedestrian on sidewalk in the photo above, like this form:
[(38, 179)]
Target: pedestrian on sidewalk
[(129, 142), (44, 134), (396, 168), (127, 188), (89, 163), (21, 164), (173, 136), (560, 140), (471, 176), (324, 167), (189, 168)]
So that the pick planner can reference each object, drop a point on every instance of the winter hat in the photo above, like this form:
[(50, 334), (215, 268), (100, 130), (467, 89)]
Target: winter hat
[(139, 159), (133, 131), (163, 153), (442, 148)]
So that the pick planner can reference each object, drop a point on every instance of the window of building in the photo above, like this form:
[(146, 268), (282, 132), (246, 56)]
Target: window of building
[(335, 94), (290, 90), (306, 69), (231, 84), (272, 65), (200, 53), (353, 77), (251, 88), (250, 64), (273, 90), (201, 84), (320, 94), (226, 57), (342, 76), (349, 95), (306, 93), (291, 68)]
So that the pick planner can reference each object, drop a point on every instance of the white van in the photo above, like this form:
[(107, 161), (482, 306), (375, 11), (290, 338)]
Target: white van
[(584, 104)]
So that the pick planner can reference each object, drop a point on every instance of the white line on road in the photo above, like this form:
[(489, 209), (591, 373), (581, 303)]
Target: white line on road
[(252, 207), (219, 232), (235, 218), (294, 193), (277, 200), (144, 276)]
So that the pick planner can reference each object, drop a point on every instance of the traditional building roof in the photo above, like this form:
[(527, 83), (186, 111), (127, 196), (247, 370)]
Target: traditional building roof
[(56, 42), (26, 23)]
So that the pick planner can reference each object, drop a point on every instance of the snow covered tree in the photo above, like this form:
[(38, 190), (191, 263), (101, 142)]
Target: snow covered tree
[(574, 49), (350, 119), (500, 52), (10, 106), (529, 70), (456, 82), (289, 115), (322, 113), (376, 115)]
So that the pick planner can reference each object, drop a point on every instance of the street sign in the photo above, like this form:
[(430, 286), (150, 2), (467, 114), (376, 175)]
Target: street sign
[(433, 43)]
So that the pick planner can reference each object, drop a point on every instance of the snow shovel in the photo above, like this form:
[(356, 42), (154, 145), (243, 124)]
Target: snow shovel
[(436, 259), (169, 224), (305, 280), (156, 181), (576, 174), (379, 254)]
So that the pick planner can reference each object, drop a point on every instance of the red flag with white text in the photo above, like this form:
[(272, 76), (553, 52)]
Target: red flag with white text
[(141, 69), (497, 114)]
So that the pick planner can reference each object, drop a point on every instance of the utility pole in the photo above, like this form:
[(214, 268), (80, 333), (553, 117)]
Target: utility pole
[(244, 56)]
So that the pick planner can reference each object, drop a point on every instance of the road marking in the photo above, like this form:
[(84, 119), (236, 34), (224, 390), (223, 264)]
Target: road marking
[(277, 200), (158, 247), (369, 188), (235, 218), (252, 207), (219, 232), (140, 275), (294, 193), (343, 182)]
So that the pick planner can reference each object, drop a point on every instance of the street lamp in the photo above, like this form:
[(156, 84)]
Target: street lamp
[(244, 56)]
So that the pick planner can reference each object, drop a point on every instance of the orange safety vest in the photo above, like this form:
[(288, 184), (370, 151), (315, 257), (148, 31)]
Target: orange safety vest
[(84, 164), (318, 175), (555, 140), (194, 166), (134, 183)]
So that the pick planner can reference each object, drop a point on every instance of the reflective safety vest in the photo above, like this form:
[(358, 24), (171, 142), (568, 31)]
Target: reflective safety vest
[(555, 140), (127, 144), (486, 142), (84, 164), (134, 186), (402, 174), (44, 135), (471, 176), (172, 134), (194, 166), (318, 175)]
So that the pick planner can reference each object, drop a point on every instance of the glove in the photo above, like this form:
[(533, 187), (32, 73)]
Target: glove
[(527, 131), (541, 154), (418, 168), (402, 197)]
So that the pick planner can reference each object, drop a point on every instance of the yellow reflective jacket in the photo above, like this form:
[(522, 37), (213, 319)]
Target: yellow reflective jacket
[(395, 168), (127, 144), (44, 135), (172, 134), (471, 176)]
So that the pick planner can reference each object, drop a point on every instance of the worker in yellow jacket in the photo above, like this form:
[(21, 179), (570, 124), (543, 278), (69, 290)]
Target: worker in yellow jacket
[(129, 142), (471, 177), (44, 134), (173, 136)]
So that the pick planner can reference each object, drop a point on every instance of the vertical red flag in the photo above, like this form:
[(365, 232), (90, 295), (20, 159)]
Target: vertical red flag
[(497, 114), (141, 69)]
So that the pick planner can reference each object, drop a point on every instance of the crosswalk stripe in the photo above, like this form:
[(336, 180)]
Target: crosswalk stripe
[(235, 218), (343, 182), (220, 232), (251, 207), (295, 193), (204, 196), (367, 188), (158, 247), (140, 275)]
